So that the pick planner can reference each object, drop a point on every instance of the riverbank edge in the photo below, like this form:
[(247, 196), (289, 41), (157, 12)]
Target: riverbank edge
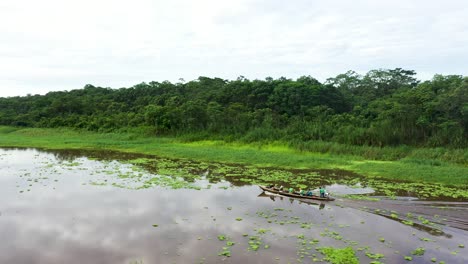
[(255, 154)]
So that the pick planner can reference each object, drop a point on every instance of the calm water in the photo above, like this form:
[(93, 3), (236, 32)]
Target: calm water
[(53, 211)]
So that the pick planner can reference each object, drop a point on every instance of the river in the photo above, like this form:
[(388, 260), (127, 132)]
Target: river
[(80, 207)]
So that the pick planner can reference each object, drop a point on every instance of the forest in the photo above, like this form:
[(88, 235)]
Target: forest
[(384, 107)]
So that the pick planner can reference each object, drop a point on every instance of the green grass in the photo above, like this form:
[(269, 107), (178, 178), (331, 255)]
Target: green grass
[(431, 156), (413, 166)]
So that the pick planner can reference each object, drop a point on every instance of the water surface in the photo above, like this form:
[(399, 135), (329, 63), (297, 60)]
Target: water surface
[(80, 207)]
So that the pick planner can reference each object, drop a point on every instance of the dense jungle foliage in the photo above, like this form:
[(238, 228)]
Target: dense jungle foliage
[(381, 108)]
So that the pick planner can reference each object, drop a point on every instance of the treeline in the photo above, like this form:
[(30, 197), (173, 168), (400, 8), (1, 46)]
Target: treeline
[(381, 108)]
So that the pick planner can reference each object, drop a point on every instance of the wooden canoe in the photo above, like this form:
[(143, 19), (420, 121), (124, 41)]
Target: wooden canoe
[(296, 195)]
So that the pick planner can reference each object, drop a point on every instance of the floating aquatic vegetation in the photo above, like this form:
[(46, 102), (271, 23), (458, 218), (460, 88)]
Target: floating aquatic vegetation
[(262, 230), (225, 252), (425, 239), (374, 256), (254, 243), (418, 252), (361, 197), (408, 222), (330, 233), (339, 255)]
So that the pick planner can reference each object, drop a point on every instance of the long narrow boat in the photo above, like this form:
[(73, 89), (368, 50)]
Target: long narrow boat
[(295, 195)]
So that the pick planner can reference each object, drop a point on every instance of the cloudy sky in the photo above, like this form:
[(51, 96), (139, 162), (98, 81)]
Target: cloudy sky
[(51, 45)]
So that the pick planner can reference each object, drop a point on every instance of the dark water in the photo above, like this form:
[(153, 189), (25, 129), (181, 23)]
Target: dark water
[(50, 212)]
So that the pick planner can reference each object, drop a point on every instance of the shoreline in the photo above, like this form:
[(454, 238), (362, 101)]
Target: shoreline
[(258, 155)]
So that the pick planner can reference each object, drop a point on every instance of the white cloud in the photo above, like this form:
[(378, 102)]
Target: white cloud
[(63, 45)]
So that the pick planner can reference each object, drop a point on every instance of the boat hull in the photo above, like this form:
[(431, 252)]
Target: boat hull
[(293, 195)]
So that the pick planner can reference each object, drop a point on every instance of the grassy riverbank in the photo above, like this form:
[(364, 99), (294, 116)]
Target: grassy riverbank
[(419, 165)]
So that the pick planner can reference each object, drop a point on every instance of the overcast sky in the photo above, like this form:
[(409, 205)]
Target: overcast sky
[(51, 45)]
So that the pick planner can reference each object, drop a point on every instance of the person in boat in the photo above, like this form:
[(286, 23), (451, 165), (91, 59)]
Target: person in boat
[(322, 192), (270, 186), (301, 192), (281, 188), (291, 190), (309, 193)]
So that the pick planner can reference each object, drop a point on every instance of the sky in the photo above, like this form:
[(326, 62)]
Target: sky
[(56, 45)]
